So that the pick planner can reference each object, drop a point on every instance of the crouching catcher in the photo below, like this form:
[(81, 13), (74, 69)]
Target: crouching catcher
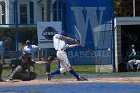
[(22, 71)]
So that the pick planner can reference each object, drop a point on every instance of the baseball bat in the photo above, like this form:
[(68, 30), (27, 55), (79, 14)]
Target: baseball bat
[(77, 33), (78, 37)]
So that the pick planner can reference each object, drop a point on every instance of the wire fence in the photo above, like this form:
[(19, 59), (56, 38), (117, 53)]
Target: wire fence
[(18, 23)]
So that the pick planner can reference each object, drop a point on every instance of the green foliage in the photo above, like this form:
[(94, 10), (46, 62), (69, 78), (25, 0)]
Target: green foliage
[(123, 8), (117, 7), (29, 33), (24, 33), (7, 32)]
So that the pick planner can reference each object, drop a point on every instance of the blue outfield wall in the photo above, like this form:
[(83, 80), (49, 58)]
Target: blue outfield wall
[(91, 22)]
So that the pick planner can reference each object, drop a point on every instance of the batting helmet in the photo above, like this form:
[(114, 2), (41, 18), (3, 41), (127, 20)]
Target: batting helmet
[(63, 33)]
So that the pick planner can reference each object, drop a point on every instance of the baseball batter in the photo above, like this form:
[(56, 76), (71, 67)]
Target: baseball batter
[(60, 46)]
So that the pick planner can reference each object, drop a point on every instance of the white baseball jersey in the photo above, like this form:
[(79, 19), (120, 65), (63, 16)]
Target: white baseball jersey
[(59, 43), (60, 46), (30, 49)]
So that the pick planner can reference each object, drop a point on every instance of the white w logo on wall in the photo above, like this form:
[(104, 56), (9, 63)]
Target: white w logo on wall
[(92, 20), (92, 23)]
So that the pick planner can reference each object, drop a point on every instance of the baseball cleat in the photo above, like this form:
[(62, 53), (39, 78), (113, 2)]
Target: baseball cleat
[(82, 79), (49, 76), (9, 80)]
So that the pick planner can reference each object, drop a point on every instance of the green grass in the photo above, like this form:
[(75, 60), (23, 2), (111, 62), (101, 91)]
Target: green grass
[(6, 71), (81, 69), (40, 69), (85, 69)]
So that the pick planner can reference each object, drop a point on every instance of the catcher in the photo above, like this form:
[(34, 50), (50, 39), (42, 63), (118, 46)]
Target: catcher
[(60, 46), (22, 71)]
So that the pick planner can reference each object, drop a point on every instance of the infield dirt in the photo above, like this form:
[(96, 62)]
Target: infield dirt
[(42, 81)]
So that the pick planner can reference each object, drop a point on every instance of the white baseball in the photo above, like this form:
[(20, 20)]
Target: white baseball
[(109, 49)]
